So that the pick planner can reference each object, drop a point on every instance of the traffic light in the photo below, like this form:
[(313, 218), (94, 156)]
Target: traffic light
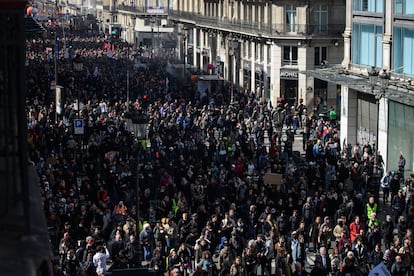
[(115, 32), (145, 101)]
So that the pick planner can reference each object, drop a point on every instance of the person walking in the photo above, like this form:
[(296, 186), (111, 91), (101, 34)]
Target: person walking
[(401, 165), (385, 186)]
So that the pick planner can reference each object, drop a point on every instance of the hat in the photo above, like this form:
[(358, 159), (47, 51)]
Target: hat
[(356, 165), (194, 215), (294, 233)]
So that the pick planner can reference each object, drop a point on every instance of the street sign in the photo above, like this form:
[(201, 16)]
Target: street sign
[(78, 127)]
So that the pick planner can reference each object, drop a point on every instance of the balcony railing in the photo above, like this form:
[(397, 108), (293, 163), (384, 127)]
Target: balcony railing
[(263, 29), (131, 9)]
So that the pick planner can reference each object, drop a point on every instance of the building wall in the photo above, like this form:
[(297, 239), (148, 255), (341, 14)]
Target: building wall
[(264, 29), (369, 32)]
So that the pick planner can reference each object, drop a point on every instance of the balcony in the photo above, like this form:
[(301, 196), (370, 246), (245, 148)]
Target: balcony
[(131, 9), (109, 8), (254, 28)]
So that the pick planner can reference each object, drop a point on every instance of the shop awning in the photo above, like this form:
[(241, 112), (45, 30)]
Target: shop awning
[(398, 91)]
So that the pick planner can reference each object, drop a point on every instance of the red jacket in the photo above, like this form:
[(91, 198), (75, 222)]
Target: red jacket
[(354, 230)]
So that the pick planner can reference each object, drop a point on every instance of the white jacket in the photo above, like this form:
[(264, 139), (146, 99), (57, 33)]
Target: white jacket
[(99, 260)]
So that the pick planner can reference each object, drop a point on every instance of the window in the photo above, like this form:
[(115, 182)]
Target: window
[(290, 55), (367, 45), (256, 51), (320, 55), (403, 50), (261, 52), (405, 7), (269, 54), (369, 5), (321, 19), (291, 18), (249, 50)]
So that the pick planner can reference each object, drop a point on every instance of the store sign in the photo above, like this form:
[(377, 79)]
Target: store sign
[(153, 10), (289, 74)]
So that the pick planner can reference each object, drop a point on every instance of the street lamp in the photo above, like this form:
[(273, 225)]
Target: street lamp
[(184, 53), (137, 125), (384, 77), (78, 67), (373, 76)]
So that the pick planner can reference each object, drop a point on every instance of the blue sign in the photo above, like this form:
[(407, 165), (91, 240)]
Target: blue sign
[(78, 126)]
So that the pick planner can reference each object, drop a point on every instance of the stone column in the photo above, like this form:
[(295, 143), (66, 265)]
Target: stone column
[(347, 35), (387, 39), (349, 111), (253, 67), (195, 47), (201, 65), (383, 130)]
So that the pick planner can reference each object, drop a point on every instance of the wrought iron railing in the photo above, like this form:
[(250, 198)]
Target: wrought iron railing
[(132, 9), (264, 29)]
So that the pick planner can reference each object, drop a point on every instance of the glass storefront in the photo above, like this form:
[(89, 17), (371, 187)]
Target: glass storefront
[(400, 135), (367, 118)]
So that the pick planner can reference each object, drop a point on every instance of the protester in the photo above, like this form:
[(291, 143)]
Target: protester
[(200, 172)]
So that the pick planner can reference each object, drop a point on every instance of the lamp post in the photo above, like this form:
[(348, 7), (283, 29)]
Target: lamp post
[(78, 67), (152, 34), (184, 53), (137, 125), (231, 73), (384, 77), (127, 78)]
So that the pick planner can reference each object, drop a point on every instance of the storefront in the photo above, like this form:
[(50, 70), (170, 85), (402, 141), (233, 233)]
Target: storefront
[(289, 85), (388, 122), (400, 135)]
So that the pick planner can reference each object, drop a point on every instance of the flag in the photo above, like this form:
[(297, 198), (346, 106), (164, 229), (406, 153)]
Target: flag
[(380, 270)]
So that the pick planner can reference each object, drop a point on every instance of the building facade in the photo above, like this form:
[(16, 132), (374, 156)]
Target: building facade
[(379, 34), (22, 221), (264, 45)]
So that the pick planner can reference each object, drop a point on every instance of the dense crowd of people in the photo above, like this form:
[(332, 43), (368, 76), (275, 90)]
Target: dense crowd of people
[(192, 198)]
